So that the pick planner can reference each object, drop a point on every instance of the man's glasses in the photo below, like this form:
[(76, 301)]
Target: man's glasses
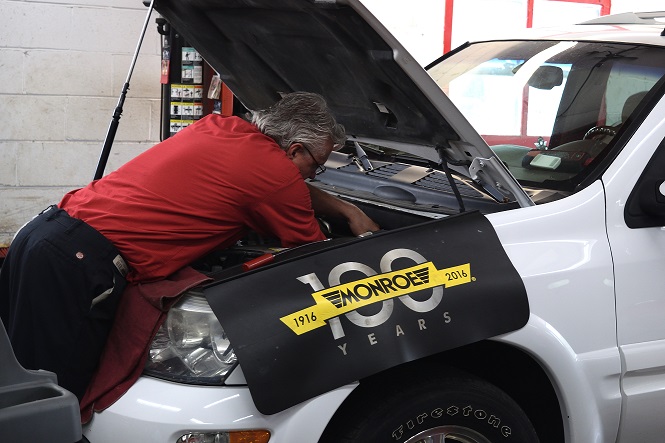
[(320, 169)]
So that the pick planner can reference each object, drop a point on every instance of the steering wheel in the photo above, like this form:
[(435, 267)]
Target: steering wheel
[(600, 130)]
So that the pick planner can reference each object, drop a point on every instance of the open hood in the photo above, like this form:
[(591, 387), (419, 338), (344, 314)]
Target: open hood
[(337, 48)]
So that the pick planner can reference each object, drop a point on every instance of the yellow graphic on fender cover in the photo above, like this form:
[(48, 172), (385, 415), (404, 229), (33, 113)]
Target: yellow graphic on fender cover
[(347, 297)]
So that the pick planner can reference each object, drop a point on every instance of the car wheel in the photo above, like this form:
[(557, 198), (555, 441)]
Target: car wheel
[(450, 408)]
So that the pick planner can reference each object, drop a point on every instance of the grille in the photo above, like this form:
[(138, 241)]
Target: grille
[(435, 180)]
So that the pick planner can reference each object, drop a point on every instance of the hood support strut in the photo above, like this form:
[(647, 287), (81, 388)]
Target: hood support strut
[(491, 174), (115, 121), (445, 161), (453, 185)]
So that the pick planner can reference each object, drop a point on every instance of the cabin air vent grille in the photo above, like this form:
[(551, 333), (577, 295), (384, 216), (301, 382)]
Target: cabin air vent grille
[(436, 180), (439, 182)]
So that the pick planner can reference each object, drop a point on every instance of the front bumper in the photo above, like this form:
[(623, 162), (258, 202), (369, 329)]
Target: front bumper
[(157, 411)]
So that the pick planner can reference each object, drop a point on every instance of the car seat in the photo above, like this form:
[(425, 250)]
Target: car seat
[(629, 107), (572, 157), (32, 405), (597, 138)]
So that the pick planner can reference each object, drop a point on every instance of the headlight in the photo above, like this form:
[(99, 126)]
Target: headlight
[(191, 346)]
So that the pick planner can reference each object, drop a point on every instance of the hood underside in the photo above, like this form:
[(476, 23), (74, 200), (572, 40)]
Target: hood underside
[(264, 48), (374, 87)]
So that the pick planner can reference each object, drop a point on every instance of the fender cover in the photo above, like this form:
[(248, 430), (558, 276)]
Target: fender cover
[(315, 321)]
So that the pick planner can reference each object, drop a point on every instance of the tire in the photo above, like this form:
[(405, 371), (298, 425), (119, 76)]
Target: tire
[(456, 408)]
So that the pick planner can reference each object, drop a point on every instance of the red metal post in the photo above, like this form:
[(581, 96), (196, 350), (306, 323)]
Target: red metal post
[(448, 25), (529, 13)]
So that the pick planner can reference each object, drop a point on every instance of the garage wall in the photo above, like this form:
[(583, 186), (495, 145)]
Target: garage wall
[(62, 67), (619, 6)]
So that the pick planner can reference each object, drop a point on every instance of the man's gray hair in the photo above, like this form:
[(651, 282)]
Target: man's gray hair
[(300, 117)]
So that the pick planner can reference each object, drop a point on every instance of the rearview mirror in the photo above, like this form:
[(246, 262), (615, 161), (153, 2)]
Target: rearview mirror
[(546, 77)]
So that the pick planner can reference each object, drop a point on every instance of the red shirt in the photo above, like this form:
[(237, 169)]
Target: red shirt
[(195, 192)]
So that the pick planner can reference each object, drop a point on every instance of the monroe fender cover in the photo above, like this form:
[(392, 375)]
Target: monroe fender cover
[(311, 323)]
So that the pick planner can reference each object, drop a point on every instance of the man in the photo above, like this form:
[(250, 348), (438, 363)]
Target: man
[(198, 191)]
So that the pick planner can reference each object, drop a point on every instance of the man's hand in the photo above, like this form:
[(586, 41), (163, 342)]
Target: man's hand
[(327, 205), (360, 223)]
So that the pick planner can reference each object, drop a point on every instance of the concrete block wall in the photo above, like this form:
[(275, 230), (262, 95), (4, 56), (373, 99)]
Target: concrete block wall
[(62, 67)]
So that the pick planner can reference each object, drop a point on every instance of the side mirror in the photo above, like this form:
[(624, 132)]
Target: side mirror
[(652, 197), (645, 207), (646, 204)]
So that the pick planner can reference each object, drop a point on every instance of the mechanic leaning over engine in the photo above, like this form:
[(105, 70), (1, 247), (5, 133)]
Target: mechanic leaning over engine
[(200, 190)]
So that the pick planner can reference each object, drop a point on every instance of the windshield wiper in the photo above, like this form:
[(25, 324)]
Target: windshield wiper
[(361, 159)]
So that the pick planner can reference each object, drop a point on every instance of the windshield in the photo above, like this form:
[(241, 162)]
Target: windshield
[(550, 110)]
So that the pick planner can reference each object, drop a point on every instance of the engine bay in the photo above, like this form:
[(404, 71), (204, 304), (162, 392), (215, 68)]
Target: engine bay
[(394, 189)]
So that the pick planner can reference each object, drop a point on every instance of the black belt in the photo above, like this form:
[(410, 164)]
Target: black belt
[(53, 213)]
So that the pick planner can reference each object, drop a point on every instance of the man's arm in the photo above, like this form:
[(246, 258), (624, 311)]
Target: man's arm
[(327, 205)]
